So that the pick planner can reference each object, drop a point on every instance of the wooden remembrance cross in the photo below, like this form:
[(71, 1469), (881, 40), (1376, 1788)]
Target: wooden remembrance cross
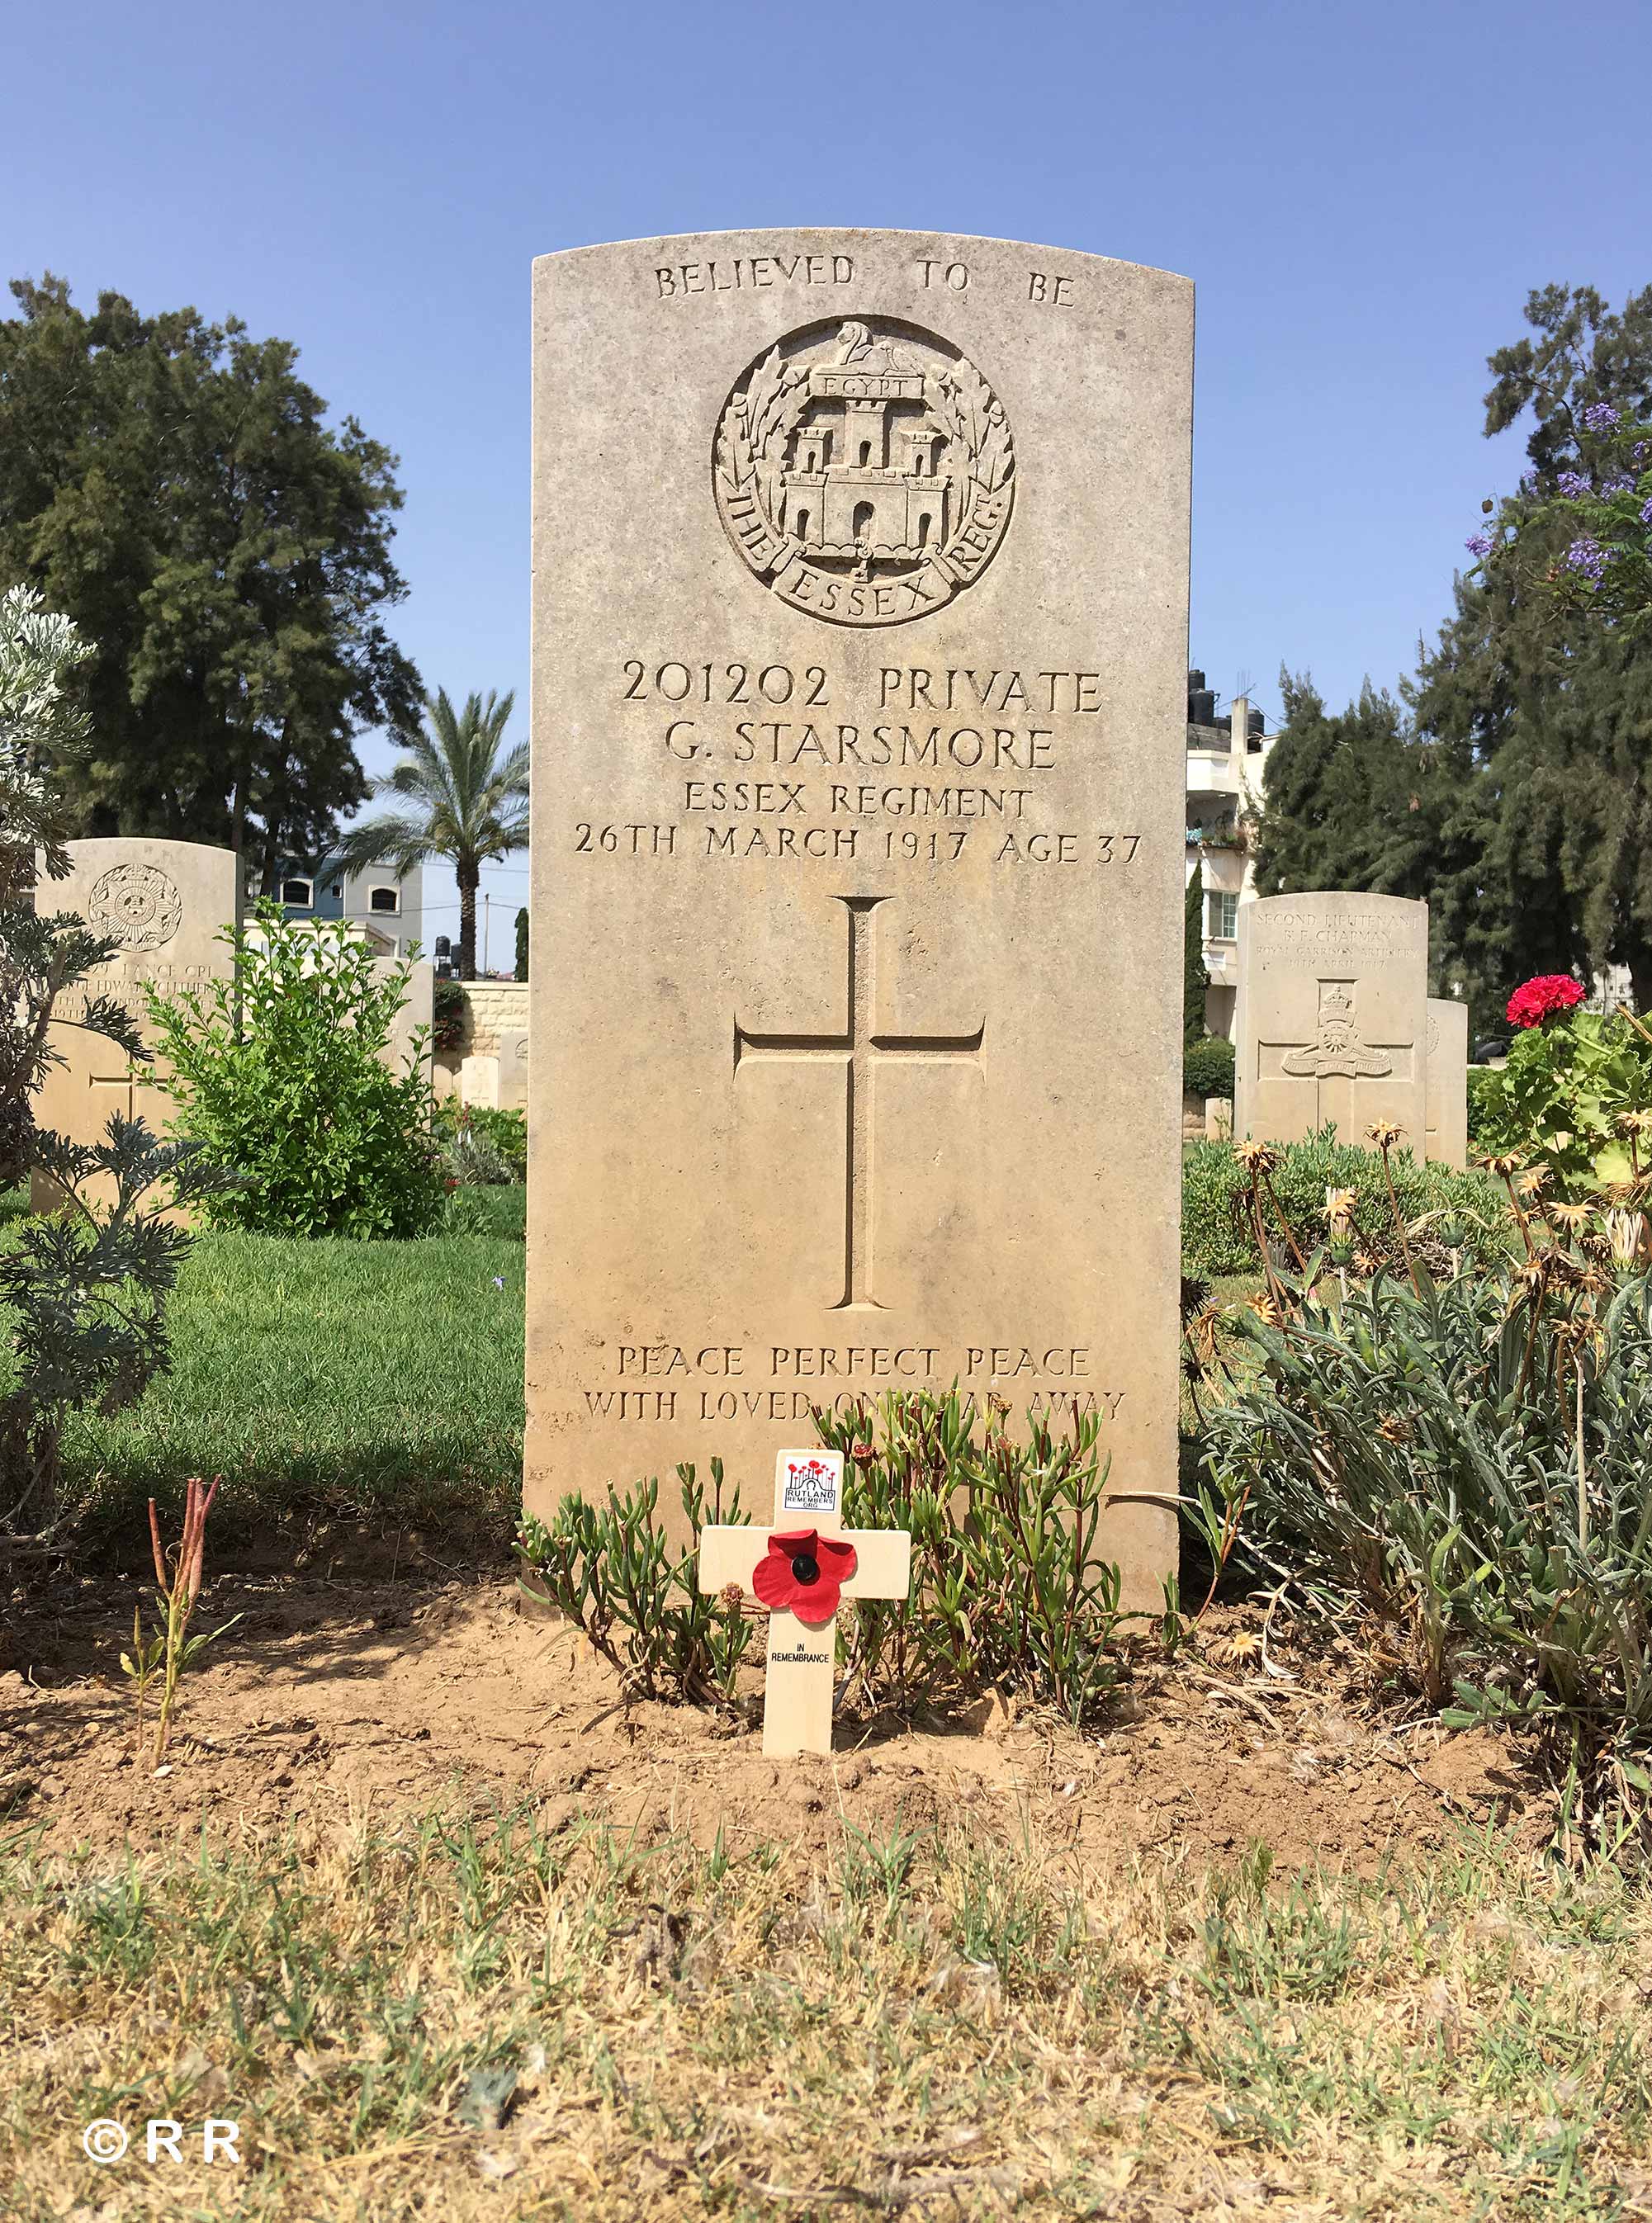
[(806, 1550)]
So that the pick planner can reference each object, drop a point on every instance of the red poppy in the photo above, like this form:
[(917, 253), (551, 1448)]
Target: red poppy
[(804, 1573)]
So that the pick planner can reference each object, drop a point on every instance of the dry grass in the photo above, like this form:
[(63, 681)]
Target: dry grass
[(939, 2028)]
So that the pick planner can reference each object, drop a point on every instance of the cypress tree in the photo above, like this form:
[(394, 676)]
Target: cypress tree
[(1195, 979)]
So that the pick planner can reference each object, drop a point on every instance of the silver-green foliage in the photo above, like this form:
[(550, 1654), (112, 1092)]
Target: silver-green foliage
[(88, 1287), (42, 728), (1467, 1460)]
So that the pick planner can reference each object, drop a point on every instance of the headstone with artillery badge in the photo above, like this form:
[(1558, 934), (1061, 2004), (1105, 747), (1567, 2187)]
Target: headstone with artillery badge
[(1331, 1023)]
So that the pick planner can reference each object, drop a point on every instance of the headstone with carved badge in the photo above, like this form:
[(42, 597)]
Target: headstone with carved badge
[(858, 721), (163, 904), (1331, 1021)]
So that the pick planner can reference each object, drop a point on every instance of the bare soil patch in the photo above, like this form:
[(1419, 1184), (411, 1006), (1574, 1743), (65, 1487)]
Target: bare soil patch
[(368, 1695)]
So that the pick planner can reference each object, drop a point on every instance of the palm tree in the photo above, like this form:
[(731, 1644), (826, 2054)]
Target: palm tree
[(464, 803)]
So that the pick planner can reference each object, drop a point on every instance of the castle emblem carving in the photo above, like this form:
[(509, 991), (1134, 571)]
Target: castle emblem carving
[(865, 471), (1338, 1048), (138, 905)]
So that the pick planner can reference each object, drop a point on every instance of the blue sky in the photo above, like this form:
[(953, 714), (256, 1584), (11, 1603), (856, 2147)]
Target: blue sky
[(1364, 197)]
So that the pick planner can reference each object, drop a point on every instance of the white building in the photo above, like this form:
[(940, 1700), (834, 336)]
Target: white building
[(387, 907), (1226, 760)]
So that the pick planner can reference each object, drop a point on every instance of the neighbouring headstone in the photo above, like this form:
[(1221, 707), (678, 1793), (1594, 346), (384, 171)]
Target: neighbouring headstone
[(1447, 1081), (164, 904), (800, 1567), (861, 599), (1332, 1019), (513, 1071), (417, 1012), (479, 1081)]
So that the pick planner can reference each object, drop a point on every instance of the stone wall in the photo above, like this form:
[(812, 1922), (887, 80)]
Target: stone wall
[(493, 1010)]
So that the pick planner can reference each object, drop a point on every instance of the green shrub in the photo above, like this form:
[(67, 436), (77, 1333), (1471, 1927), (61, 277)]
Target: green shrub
[(87, 1289), (1481, 1084), (1218, 1237), (497, 1208), (1208, 1067), (278, 1072), (1004, 1593), (480, 1146), (1564, 1096), (610, 1570), (1465, 1460)]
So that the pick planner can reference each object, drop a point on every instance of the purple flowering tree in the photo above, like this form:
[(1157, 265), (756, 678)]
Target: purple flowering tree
[(1580, 525)]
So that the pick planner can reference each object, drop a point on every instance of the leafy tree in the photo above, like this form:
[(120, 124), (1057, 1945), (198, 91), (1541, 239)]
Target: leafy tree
[(1585, 356), (1370, 799), (1194, 978), (172, 486), (1516, 799), (1491, 921), (521, 945), (1562, 589), (1344, 803), (465, 801)]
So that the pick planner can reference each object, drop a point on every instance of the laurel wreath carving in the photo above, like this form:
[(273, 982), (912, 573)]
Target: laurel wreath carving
[(962, 405), (971, 415)]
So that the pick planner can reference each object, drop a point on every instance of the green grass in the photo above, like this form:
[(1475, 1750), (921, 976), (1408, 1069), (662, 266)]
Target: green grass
[(345, 1376), (679, 2032), (499, 1210)]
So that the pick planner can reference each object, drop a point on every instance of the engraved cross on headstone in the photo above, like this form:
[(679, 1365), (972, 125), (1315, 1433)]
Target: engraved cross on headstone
[(858, 1052), (803, 1650), (107, 1091)]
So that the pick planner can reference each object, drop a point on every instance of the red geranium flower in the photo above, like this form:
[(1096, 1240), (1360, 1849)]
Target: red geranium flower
[(1533, 1001), (804, 1573)]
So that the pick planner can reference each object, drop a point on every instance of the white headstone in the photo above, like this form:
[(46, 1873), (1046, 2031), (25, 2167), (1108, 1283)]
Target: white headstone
[(1332, 1020)]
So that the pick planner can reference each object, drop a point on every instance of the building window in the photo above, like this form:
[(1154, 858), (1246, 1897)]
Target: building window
[(336, 891), (298, 895), (384, 899), (1223, 917)]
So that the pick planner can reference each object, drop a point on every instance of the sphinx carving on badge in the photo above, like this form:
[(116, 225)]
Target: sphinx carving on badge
[(802, 1568)]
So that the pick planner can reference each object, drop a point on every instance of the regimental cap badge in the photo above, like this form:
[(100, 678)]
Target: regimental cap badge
[(864, 470), (136, 905)]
